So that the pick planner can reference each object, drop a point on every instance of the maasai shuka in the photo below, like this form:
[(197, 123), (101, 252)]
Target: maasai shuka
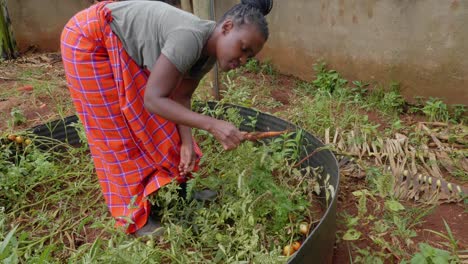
[(135, 152)]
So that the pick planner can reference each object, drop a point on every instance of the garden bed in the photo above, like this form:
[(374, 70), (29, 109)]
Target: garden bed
[(59, 215), (271, 202)]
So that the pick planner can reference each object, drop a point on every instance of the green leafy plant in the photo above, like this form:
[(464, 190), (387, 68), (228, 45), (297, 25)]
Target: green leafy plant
[(393, 101), (237, 94), (431, 255), (8, 245), (436, 110), (256, 67), (380, 181), (18, 116), (359, 91), (327, 80), (268, 68), (253, 66), (58, 207), (459, 113), (304, 87)]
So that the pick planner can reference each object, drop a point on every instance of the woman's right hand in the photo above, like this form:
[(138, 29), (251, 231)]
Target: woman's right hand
[(227, 134)]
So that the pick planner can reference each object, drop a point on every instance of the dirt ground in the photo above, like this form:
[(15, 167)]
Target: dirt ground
[(35, 85), (454, 214)]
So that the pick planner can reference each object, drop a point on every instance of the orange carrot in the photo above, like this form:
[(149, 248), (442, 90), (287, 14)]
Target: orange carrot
[(254, 136)]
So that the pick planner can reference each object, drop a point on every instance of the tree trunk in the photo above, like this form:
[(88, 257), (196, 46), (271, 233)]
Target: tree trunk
[(8, 49)]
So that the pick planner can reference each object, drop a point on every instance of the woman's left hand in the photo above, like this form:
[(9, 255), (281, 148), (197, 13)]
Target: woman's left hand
[(187, 159)]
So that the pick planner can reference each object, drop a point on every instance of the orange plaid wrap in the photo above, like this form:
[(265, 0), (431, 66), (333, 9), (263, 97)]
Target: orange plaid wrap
[(135, 152)]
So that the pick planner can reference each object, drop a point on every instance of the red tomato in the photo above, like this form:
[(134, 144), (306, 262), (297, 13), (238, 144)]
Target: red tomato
[(296, 245)]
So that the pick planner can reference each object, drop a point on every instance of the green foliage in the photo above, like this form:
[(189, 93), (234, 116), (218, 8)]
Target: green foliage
[(393, 101), (18, 116), (436, 110), (431, 255), (8, 47), (359, 91), (380, 181), (237, 94), (45, 189), (256, 67), (21, 169), (253, 66), (268, 68), (387, 101), (368, 256), (459, 113), (261, 202), (324, 111), (394, 206), (53, 199), (327, 80), (305, 88), (8, 244), (259, 195)]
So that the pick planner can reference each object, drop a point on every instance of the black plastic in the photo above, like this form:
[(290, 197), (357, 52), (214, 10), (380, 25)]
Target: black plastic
[(318, 247), (61, 129)]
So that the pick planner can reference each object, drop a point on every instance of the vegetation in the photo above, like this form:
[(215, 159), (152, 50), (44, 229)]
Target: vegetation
[(53, 211), (8, 49)]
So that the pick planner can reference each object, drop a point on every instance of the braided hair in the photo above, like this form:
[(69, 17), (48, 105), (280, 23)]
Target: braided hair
[(251, 12)]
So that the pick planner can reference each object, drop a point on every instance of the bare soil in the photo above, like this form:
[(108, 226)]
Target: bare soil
[(35, 86)]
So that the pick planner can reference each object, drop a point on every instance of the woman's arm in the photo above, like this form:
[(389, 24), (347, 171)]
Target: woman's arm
[(163, 79), (183, 95)]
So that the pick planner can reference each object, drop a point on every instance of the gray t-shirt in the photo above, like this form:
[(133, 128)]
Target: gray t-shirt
[(148, 29)]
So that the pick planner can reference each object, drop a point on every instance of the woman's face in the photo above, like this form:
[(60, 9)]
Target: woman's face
[(237, 44)]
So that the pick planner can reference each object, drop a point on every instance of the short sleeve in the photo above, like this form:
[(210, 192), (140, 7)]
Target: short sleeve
[(182, 48)]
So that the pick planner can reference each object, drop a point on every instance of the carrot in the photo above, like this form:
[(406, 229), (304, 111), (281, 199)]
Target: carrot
[(27, 88), (254, 136)]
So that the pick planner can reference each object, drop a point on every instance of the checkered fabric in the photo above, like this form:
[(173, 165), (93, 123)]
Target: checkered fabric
[(135, 152)]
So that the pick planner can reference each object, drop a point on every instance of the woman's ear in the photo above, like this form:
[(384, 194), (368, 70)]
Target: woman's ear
[(227, 26)]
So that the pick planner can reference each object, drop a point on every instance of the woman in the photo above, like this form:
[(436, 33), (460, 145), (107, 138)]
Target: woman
[(131, 68)]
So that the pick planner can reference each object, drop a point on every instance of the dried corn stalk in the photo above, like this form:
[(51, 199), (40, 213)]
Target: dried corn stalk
[(416, 171)]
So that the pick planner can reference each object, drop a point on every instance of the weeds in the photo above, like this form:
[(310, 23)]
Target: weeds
[(256, 67), (42, 193), (431, 255), (262, 200), (436, 110), (328, 80), (451, 242), (53, 210), (388, 101), (459, 113), (18, 117)]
